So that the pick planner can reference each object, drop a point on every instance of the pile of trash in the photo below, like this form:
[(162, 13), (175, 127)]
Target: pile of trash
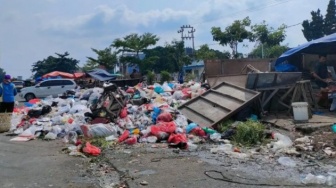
[(125, 115)]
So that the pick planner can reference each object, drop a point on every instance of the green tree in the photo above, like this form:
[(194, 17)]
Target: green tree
[(2, 74), (59, 63), (330, 19), (161, 59), (134, 44), (204, 52), (268, 35), (268, 51), (178, 55), (233, 34), (313, 29), (105, 58)]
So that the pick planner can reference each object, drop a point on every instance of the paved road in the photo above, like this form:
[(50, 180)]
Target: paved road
[(38, 163)]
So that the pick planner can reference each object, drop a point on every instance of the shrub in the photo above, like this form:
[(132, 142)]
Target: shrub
[(190, 77), (249, 133), (150, 77), (165, 76)]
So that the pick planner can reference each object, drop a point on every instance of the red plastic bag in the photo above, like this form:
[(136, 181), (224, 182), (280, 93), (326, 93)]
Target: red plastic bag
[(198, 131), (165, 117), (123, 113), (132, 140), (186, 93), (130, 90), (124, 136), (91, 149), (167, 127), (179, 140)]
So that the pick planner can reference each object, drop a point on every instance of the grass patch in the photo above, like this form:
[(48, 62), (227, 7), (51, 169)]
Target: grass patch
[(99, 142), (249, 133), (224, 126)]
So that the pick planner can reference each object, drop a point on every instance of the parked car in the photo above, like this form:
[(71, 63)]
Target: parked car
[(46, 88), (18, 84)]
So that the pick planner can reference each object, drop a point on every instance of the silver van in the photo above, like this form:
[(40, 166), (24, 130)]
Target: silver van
[(46, 88)]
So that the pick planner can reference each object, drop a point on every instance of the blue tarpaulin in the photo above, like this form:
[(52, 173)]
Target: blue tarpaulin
[(101, 75), (324, 45)]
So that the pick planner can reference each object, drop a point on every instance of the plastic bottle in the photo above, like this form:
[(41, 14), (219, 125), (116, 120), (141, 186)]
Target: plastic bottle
[(208, 130)]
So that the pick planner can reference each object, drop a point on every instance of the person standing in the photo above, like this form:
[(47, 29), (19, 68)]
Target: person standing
[(322, 80), (320, 73), (7, 94)]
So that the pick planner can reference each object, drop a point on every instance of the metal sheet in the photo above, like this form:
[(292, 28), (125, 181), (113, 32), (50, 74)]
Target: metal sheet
[(238, 80), (217, 104), (272, 79)]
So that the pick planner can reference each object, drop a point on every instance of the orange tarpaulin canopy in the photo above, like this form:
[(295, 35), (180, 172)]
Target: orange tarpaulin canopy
[(63, 74), (79, 74)]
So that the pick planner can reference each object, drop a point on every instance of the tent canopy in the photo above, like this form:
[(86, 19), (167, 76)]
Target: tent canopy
[(64, 75), (324, 45), (102, 75)]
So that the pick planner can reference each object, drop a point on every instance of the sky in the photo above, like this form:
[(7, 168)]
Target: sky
[(32, 30)]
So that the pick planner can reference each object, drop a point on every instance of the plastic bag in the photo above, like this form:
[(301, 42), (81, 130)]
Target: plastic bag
[(30, 132), (79, 108), (91, 149), (178, 95), (181, 121), (282, 142), (98, 130), (70, 137), (165, 117), (167, 127), (124, 136), (166, 87), (180, 139), (156, 112), (50, 136), (158, 90), (286, 161), (132, 140), (123, 113), (312, 179), (190, 127), (62, 110), (195, 87)]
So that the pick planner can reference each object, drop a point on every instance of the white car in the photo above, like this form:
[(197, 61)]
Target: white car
[(46, 88)]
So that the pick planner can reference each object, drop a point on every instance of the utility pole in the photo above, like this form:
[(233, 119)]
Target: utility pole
[(189, 35)]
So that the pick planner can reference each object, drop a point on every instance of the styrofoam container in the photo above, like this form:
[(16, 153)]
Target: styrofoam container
[(300, 111)]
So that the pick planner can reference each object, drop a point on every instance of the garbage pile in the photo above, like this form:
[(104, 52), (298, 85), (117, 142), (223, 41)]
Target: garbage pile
[(127, 116)]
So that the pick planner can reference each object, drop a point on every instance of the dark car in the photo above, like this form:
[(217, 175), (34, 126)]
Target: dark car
[(18, 84)]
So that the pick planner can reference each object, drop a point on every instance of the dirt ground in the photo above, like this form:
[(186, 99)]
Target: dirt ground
[(154, 165)]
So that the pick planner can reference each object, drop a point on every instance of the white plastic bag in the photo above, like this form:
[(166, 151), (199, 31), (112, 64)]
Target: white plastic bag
[(282, 142), (166, 87), (286, 161), (50, 136), (30, 132), (99, 130)]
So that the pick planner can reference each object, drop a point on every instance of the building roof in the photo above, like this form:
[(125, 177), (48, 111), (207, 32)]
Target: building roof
[(194, 64)]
